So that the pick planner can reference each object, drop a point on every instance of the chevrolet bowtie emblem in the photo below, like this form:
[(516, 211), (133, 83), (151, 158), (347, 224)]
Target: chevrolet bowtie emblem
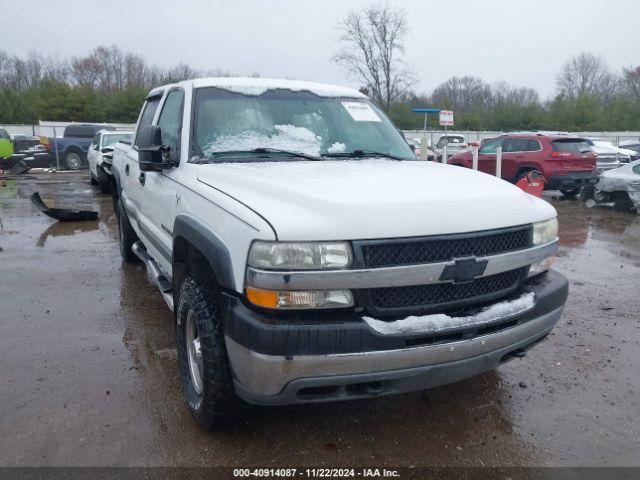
[(464, 270)]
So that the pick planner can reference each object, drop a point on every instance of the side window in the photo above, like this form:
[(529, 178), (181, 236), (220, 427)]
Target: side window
[(170, 122), (3, 134), (490, 146), (636, 169), (148, 111), (512, 145), (533, 145)]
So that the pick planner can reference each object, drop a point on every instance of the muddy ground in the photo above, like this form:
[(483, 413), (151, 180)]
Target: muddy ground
[(88, 369)]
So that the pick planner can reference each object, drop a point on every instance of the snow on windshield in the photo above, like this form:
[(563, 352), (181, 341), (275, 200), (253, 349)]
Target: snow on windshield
[(283, 137)]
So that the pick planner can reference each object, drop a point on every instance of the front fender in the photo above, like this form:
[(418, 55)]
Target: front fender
[(209, 244)]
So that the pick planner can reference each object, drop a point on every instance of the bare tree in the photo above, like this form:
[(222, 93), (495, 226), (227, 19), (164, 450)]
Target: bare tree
[(463, 94), (372, 51), (631, 79), (585, 74)]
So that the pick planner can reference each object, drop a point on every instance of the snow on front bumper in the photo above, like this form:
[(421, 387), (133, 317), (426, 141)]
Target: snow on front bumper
[(385, 362)]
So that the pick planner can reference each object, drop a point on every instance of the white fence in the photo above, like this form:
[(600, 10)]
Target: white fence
[(54, 129), (434, 135)]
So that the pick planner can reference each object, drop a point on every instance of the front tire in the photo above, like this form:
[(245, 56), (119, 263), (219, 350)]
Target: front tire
[(570, 192), (127, 236), (104, 180), (204, 366)]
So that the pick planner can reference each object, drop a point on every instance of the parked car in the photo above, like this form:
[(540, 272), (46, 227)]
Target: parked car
[(32, 148), (566, 162), (609, 156), (620, 186), (20, 148), (633, 145), (73, 147), (455, 144), (416, 146), (308, 256), (100, 156), (6, 147)]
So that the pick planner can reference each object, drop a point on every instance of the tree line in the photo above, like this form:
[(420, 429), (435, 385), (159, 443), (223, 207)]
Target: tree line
[(109, 85), (106, 85), (589, 96)]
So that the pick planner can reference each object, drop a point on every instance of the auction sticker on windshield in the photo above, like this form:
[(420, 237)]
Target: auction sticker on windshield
[(361, 112)]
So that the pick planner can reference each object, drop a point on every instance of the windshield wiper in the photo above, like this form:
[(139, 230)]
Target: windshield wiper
[(362, 154), (263, 151)]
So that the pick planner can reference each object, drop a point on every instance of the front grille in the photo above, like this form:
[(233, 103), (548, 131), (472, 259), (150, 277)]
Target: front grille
[(442, 297), (387, 253)]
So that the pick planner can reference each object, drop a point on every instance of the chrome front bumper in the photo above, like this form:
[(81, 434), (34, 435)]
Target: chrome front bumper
[(271, 380)]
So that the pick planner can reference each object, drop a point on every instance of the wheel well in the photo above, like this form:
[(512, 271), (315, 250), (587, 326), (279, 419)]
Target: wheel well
[(73, 149), (187, 260), (523, 170)]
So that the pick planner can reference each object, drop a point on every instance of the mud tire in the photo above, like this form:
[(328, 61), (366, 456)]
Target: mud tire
[(216, 405)]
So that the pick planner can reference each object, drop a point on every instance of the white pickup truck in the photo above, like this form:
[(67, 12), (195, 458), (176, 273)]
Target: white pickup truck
[(308, 255)]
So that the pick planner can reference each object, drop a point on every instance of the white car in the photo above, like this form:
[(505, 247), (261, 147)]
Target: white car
[(308, 256), (99, 156), (455, 144), (609, 156), (621, 186)]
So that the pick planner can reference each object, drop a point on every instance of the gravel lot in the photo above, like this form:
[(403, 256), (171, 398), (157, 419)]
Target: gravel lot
[(88, 368)]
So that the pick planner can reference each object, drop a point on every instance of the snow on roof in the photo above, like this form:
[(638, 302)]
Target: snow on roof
[(257, 86)]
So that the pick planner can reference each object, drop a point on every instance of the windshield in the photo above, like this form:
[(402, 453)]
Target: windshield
[(299, 122), (109, 139)]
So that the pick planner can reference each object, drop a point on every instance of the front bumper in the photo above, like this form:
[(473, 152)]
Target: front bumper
[(337, 356)]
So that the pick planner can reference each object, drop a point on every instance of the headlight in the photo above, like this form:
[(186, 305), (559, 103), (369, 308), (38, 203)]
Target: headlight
[(300, 255), (545, 232), (295, 300)]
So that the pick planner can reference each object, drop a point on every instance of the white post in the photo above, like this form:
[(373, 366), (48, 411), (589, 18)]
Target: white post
[(423, 147), (474, 152), (446, 144), (499, 162)]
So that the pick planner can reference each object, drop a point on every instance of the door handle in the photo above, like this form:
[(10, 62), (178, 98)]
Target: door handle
[(126, 169), (141, 178)]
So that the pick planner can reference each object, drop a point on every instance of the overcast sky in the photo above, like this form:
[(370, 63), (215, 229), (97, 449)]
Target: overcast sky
[(522, 42)]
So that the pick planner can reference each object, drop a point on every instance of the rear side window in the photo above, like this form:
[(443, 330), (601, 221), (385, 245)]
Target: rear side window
[(636, 169), (79, 131), (521, 145), (148, 111), (533, 146), (571, 146)]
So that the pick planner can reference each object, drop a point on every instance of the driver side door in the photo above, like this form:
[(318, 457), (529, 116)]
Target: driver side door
[(160, 197)]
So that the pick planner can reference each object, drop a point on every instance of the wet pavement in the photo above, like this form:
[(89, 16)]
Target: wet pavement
[(88, 367)]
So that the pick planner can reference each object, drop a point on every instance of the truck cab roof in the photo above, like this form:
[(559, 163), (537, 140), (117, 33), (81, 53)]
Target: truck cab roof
[(257, 86)]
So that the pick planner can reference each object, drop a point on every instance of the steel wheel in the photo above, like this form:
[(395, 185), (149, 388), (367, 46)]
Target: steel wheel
[(194, 352), (74, 161)]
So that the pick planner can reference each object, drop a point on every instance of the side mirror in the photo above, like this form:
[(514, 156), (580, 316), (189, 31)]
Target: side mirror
[(412, 147), (152, 155), (106, 149)]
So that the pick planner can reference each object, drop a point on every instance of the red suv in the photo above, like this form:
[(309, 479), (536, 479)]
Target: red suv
[(566, 162)]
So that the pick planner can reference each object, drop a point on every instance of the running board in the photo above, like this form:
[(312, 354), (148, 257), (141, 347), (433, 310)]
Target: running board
[(157, 278)]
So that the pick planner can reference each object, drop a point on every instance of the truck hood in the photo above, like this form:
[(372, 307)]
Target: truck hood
[(373, 198)]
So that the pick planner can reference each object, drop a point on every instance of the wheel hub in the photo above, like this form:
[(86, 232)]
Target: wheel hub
[(194, 352)]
